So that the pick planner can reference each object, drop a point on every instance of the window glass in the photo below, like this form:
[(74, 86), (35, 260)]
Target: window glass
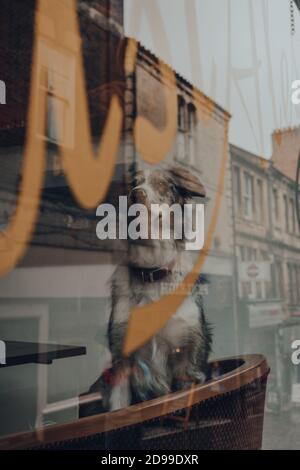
[(149, 226)]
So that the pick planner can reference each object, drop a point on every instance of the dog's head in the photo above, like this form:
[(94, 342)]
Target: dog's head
[(161, 186)]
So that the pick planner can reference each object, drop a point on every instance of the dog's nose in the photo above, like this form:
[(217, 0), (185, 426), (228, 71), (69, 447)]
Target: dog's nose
[(139, 196)]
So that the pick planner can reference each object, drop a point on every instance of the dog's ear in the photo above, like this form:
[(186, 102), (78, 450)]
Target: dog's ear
[(186, 182)]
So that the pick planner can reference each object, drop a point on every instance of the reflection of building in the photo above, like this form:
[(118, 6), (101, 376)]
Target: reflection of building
[(259, 307), (267, 255), (286, 248)]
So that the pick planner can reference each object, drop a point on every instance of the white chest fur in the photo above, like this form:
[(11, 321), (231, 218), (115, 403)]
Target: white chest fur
[(178, 328)]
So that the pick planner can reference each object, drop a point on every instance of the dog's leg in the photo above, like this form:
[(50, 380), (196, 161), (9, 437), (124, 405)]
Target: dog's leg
[(120, 395), (194, 360), (150, 376), (119, 390), (186, 368)]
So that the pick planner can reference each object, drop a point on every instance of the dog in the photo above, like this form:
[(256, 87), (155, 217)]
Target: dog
[(177, 355)]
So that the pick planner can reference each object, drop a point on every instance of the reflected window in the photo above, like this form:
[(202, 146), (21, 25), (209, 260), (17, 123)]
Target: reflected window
[(181, 147), (293, 218), (237, 189), (56, 107), (292, 286), (286, 212), (275, 204), (192, 136), (57, 80), (278, 280), (260, 201), (248, 196)]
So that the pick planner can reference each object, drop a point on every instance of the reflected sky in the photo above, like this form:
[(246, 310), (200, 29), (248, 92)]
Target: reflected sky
[(239, 52)]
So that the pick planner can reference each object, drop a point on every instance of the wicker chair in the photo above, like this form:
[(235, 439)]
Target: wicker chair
[(224, 413)]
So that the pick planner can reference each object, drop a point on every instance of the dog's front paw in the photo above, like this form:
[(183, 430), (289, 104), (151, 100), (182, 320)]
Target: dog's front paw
[(196, 376), (192, 378), (148, 382), (120, 397)]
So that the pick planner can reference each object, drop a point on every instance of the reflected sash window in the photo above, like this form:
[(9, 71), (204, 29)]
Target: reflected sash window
[(248, 196)]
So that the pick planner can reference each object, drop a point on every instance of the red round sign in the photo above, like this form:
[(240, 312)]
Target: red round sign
[(253, 270)]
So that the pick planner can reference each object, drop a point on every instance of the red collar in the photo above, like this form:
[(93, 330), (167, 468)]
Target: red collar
[(153, 274)]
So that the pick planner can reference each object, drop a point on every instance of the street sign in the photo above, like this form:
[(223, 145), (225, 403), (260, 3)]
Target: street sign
[(254, 271)]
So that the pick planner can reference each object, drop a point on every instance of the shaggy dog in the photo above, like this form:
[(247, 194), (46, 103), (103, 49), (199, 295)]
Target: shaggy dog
[(177, 355)]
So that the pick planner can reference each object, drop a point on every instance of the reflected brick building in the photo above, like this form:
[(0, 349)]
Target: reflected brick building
[(267, 240)]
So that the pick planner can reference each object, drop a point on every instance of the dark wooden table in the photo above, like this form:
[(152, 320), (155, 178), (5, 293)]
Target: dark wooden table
[(19, 352)]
